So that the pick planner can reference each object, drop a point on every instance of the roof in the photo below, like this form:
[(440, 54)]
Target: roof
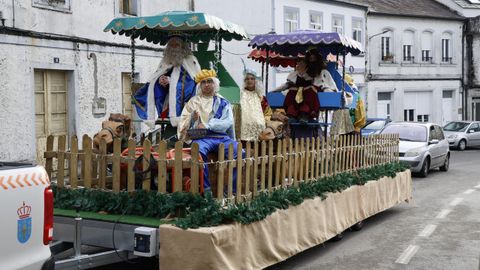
[(409, 8), (466, 4)]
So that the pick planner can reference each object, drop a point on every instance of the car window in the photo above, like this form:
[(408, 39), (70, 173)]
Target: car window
[(410, 133), (475, 127), (439, 132), (456, 126), (375, 125)]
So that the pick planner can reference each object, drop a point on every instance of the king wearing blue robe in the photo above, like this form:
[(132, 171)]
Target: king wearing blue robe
[(171, 86)]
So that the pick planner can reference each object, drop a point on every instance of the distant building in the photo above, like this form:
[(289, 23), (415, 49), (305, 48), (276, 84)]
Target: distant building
[(414, 60)]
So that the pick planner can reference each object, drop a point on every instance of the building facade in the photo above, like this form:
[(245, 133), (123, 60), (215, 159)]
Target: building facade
[(414, 61), (60, 74), (327, 16)]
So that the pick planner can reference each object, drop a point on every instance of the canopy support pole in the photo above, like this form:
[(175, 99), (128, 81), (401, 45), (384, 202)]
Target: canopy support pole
[(263, 69), (132, 47), (267, 67)]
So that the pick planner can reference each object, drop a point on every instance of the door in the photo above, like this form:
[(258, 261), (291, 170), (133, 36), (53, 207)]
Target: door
[(434, 149), (473, 135), (447, 104), (51, 108), (127, 94), (383, 109), (419, 104)]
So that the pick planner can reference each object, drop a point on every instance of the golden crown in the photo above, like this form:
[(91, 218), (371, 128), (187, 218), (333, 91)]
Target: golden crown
[(24, 211), (205, 74)]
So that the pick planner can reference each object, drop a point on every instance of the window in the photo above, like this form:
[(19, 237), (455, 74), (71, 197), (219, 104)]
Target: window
[(337, 24), (446, 48), (291, 19), (387, 55), (357, 30), (447, 94), (316, 20), (439, 131), (408, 37), (129, 7), (446, 51), (422, 118), (56, 5), (427, 46), (475, 127), (408, 115), (384, 95)]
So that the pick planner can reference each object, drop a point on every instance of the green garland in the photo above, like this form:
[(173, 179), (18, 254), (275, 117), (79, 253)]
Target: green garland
[(204, 211)]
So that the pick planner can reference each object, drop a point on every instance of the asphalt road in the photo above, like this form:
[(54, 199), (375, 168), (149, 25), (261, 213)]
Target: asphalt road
[(439, 229)]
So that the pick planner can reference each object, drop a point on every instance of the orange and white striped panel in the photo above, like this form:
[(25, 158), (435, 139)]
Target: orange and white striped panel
[(25, 180)]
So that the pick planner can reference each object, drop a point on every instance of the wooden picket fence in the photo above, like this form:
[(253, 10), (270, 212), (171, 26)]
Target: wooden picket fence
[(265, 166)]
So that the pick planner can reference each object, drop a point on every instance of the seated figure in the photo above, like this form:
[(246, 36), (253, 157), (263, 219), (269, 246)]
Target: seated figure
[(209, 111)]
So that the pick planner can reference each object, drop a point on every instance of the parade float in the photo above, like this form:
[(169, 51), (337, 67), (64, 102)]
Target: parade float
[(144, 198)]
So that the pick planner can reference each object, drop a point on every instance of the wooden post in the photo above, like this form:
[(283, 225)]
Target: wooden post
[(270, 162), (239, 172), (321, 159), (349, 153), (87, 161), (255, 169), (301, 152), (231, 164), (73, 162), (178, 166), (296, 166), (284, 162), (263, 165), (61, 161), (307, 159), (49, 161), (117, 149), (332, 154), (194, 168), (162, 166), (102, 168), (131, 163), (291, 159), (278, 160), (313, 157), (248, 164), (147, 152), (221, 158)]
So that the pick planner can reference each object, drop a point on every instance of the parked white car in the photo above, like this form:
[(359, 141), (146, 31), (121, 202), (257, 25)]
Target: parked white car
[(27, 217), (462, 134), (422, 145)]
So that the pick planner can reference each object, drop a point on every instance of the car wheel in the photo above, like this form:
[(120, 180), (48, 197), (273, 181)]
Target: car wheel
[(425, 167), (337, 237), (446, 165), (462, 145), (357, 226)]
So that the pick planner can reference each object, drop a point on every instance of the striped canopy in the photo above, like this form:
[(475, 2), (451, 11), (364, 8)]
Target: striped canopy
[(195, 26), (298, 42)]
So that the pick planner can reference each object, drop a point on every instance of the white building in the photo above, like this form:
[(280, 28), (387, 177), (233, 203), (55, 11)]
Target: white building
[(327, 16), (471, 10), (50, 82), (414, 61)]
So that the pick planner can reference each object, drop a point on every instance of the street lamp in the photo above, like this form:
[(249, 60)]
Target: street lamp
[(381, 33)]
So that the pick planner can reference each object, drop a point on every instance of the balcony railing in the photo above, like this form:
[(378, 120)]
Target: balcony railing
[(387, 58), (427, 59), (409, 59), (447, 60)]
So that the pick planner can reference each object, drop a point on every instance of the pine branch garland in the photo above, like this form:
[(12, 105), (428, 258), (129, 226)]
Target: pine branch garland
[(204, 211)]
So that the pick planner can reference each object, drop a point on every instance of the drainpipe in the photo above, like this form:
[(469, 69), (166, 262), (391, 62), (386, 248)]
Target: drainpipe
[(191, 5), (13, 13), (464, 89), (368, 74)]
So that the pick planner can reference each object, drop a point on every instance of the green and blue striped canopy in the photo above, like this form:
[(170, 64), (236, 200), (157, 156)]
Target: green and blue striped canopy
[(196, 26)]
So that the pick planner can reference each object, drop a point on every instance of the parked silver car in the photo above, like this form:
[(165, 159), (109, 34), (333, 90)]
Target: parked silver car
[(422, 145), (461, 134)]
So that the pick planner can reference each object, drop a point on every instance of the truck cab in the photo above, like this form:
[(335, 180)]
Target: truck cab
[(27, 217)]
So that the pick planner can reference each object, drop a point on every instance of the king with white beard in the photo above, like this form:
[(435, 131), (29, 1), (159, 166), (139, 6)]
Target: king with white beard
[(171, 86)]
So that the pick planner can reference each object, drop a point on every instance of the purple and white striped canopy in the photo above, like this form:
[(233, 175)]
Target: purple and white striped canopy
[(293, 43)]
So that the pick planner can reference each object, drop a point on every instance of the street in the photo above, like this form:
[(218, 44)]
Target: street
[(439, 229)]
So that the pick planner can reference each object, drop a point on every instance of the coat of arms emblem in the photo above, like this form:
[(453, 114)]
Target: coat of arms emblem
[(24, 223)]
